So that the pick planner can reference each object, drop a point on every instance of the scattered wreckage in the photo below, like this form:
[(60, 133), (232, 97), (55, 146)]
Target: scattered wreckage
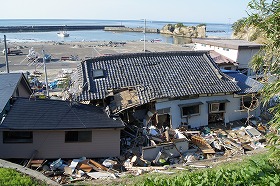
[(153, 150)]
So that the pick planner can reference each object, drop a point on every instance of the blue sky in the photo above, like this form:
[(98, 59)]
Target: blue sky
[(204, 11)]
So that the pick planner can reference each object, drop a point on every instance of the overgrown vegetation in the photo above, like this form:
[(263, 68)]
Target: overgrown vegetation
[(239, 26), (201, 24), (257, 170), (265, 15), (179, 25), (12, 177)]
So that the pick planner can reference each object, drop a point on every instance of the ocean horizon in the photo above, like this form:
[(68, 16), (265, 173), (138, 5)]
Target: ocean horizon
[(213, 30)]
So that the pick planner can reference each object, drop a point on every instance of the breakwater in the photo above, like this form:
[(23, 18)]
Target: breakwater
[(46, 28), (128, 29)]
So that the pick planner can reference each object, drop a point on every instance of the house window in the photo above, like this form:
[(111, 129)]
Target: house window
[(189, 110), (247, 103), (78, 136), (98, 73), (163, 111), (17, 137), (217, 107)]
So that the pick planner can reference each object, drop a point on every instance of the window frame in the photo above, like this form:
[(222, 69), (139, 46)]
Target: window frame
[(67, 138), (247, 99), (218, 110), (163, 111), (190, 114), (98, 73), (17, 137)]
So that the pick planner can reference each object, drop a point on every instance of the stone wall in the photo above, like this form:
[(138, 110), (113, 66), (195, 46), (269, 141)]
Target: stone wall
[(127, 29)]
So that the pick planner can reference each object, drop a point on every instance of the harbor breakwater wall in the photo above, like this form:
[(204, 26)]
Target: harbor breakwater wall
[(45, 28), (128, 29)]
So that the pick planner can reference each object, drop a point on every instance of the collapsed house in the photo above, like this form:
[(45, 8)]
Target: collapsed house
[(153, 94), (47, 129), (167, 89)]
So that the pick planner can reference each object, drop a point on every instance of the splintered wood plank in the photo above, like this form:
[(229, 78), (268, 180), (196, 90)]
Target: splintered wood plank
[(202, 145), (98, 165)]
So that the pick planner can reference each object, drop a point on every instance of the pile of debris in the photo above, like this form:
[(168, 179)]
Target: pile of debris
[(69, 171), (155, 147), (151, 149)]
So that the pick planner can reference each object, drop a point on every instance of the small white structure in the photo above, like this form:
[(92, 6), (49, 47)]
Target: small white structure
[(240, 51), (63, 34)]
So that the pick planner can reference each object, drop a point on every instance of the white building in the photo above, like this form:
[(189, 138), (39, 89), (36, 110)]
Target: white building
[(240, 51)]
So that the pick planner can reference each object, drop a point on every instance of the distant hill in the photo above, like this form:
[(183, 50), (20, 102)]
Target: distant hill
[(249, 33)]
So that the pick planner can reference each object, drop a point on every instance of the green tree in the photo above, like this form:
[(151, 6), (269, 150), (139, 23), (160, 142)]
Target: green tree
[(265, 15), (201, 24), (179, 25), (239, 25)]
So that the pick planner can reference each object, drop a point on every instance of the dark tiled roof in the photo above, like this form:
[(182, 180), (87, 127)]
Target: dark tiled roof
[(247, 84), (8, 84), (154, 75), (43, 114)]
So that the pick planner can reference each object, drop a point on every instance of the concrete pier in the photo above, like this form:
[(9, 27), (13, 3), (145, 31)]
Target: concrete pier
[(47, 28), (128, 29)]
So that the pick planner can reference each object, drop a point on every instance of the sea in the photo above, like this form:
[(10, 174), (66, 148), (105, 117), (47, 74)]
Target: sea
[(213, 30)]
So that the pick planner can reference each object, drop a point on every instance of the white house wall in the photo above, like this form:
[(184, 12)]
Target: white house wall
[(245, 56), (232, 110), (242, 56), (230, 53)]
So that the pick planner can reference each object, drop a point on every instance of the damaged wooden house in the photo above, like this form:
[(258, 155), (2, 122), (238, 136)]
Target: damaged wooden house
[(48, 129), (166, 89)]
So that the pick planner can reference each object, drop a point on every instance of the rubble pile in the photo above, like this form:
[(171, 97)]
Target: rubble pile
[(155, 150), (174, 146), (69, 171)]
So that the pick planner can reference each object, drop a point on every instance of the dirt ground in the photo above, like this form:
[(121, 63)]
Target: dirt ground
[(79, 50)]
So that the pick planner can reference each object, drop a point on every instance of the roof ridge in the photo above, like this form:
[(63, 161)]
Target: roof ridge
[(147, 54)]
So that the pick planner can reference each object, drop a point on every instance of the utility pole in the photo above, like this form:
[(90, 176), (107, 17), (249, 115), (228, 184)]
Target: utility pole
[(46, 76), (6, 55), (144, 35)]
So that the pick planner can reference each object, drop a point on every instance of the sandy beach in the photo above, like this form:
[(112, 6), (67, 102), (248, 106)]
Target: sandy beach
[(78, 50)]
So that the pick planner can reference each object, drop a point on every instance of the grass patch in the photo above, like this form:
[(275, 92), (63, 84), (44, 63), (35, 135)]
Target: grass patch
[(256, 170), (11, 177)]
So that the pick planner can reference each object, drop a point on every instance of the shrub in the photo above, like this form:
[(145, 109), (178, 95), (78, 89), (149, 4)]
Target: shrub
[(12, 177)]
